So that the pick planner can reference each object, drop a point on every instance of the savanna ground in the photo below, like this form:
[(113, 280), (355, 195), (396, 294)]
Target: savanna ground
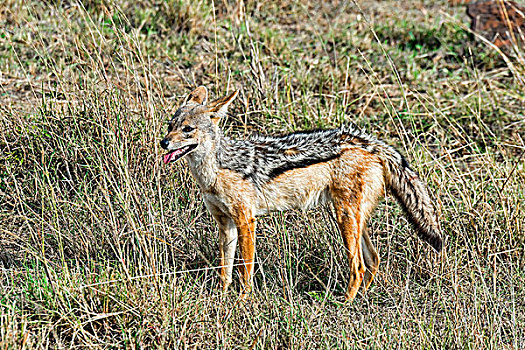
[(101, 245)]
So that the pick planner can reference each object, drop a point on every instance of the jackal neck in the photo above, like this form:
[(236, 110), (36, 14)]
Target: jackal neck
[(203, 162)]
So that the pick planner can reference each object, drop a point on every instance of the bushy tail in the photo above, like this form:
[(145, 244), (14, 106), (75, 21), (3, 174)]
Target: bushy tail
[(405, 184)]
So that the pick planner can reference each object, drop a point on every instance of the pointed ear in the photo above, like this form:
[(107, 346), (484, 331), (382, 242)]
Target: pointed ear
[(219, 107), (197, 96)]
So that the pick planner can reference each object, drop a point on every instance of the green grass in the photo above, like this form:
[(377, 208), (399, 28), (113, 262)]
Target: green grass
[(101, 245)]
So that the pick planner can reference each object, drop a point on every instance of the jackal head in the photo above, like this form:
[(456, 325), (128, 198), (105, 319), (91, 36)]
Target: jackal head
[(194, 126)]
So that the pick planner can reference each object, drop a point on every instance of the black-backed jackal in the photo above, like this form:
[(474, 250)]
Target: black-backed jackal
[(241, 179)]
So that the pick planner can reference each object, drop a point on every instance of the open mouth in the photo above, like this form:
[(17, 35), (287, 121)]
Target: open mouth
[(178, 153)]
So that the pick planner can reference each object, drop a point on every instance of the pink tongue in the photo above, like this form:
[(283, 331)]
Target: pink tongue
[(167, 157)]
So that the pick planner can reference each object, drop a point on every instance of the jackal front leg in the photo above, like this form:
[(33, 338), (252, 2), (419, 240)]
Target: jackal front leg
[(246, 234), (227, 245)]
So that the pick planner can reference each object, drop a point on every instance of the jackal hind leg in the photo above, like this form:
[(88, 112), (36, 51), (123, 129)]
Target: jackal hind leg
[(245, 223), (347, 216), (370, 257), (227, 245), (372, 190)]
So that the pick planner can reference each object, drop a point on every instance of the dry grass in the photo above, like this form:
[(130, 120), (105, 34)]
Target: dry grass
[(103, 246)]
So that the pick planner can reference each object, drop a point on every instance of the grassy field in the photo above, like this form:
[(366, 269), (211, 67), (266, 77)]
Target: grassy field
[(102, 245)]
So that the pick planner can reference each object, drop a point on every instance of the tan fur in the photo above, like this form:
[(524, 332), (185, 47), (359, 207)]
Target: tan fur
[(291, 151)]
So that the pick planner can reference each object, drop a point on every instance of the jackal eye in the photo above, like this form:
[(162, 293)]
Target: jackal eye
[(188, 128)]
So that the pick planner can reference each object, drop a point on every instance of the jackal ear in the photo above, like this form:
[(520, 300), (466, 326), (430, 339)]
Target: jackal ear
[(219, 107), (197, 96)]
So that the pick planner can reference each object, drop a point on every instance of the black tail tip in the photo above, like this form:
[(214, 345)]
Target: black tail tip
[(437, 243)]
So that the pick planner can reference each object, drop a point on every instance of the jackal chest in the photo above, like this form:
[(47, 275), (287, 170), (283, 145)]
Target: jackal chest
[(230, 192), (217, 204)]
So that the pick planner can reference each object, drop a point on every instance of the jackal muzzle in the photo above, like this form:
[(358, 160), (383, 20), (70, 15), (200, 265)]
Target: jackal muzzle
[(177, 154)]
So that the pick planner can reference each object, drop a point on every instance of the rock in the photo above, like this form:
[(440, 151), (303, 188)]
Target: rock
[(501, 22)]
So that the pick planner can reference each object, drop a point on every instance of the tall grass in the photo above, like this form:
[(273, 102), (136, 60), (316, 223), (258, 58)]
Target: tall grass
[(104, 246)]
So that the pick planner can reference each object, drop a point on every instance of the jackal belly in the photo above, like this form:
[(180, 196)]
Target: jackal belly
[(301, 188)]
